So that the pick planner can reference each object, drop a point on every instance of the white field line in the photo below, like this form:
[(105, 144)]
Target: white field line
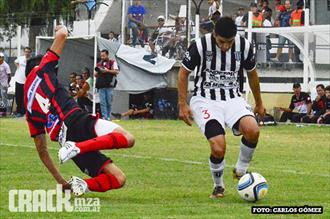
[(167, 159)]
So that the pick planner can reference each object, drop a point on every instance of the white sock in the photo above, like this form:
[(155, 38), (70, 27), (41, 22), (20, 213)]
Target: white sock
[(245, 156), (217, 172)]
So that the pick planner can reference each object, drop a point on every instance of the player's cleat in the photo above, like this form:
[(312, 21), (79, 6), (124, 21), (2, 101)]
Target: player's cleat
[(78, 186), (68, 151), (237, 175), (218, 192)]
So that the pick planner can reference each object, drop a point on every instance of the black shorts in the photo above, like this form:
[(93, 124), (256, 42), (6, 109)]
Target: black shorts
[(81, 128)]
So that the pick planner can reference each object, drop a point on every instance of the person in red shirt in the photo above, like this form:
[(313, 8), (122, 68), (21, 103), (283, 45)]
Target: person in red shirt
[(49, 107)]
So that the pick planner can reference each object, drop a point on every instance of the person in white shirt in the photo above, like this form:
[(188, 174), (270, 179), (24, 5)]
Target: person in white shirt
[(267, 16), (4, 83), (20, 81), (214, 7), (112, 37), (238, 21)]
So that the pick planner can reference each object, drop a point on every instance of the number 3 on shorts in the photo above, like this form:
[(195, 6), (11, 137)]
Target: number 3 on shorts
[(206, 114)]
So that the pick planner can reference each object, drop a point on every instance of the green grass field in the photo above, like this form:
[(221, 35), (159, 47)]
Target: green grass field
[(168, 175)]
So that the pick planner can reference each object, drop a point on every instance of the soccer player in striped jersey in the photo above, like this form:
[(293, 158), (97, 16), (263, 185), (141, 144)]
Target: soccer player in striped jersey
[(217, 59), (49, 107)]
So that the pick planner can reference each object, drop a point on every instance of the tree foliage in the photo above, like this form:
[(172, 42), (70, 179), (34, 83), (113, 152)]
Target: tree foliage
[(29, 13)]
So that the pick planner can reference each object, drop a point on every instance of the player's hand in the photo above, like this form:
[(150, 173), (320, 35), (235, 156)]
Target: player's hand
[(260, 111), (61, 30), (66, 186), (185, 114)]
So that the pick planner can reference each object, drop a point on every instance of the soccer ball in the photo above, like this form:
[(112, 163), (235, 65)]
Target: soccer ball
[(252, 187)]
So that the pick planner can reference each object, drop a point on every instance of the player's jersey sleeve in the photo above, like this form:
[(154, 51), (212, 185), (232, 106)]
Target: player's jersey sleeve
[(308, 98), (35, 128), (292, 103), (249, 62), (191, 58)]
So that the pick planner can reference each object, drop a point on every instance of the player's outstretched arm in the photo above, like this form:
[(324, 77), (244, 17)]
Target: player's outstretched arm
[(184, 110), (255, 88), (61, 33), (41, 145)]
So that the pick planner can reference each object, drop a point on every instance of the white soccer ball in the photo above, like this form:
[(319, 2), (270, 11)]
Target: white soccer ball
[(252, 187)]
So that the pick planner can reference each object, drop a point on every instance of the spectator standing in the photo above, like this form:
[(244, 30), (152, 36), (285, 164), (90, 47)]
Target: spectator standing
[(238, 21), (297, 20), (4, 82), (20, 81), (267, 15), (2, 50), (256, 17), (318, 106), (284, 20), (106, 72), (325, 118), (300, 106), (214, 6), (136, 14)]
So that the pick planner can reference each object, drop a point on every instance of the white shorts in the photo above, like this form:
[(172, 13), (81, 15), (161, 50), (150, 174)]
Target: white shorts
[(227, 113), (103, 127)]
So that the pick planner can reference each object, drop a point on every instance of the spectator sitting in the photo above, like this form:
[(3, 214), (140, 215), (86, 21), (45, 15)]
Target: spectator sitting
[(112, 37), (155, 34), (136, 14), (73, 85), (318, 107), (239, 17), (299, 107), (284, 20), (145, 110), (82, 99), (325, 118)]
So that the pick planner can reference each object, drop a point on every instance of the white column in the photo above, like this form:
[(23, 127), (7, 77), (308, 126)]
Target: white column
[(166, 10), (94, 78), (123, 19), (196, 26), (306, 56), (188, 21), (19, 37), (250, 27)]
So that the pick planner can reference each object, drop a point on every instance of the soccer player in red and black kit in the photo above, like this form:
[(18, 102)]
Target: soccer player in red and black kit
[(81, 135)]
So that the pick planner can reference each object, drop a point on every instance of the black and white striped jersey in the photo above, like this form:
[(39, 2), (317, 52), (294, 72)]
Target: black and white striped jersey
[(217, 72)]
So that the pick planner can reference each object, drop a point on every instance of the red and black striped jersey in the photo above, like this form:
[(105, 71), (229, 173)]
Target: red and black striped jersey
[(46, 101)]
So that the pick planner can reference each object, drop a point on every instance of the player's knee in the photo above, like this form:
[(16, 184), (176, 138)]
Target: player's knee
[(121, 179), (218, 147), (218, 152), (130, 139), (252, 135)]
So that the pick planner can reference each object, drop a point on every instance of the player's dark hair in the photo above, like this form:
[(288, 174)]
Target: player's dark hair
[(327, 88), (320, 85), (31, 63), (105, 51), (86, 70), (225, 27), (28, 48)]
